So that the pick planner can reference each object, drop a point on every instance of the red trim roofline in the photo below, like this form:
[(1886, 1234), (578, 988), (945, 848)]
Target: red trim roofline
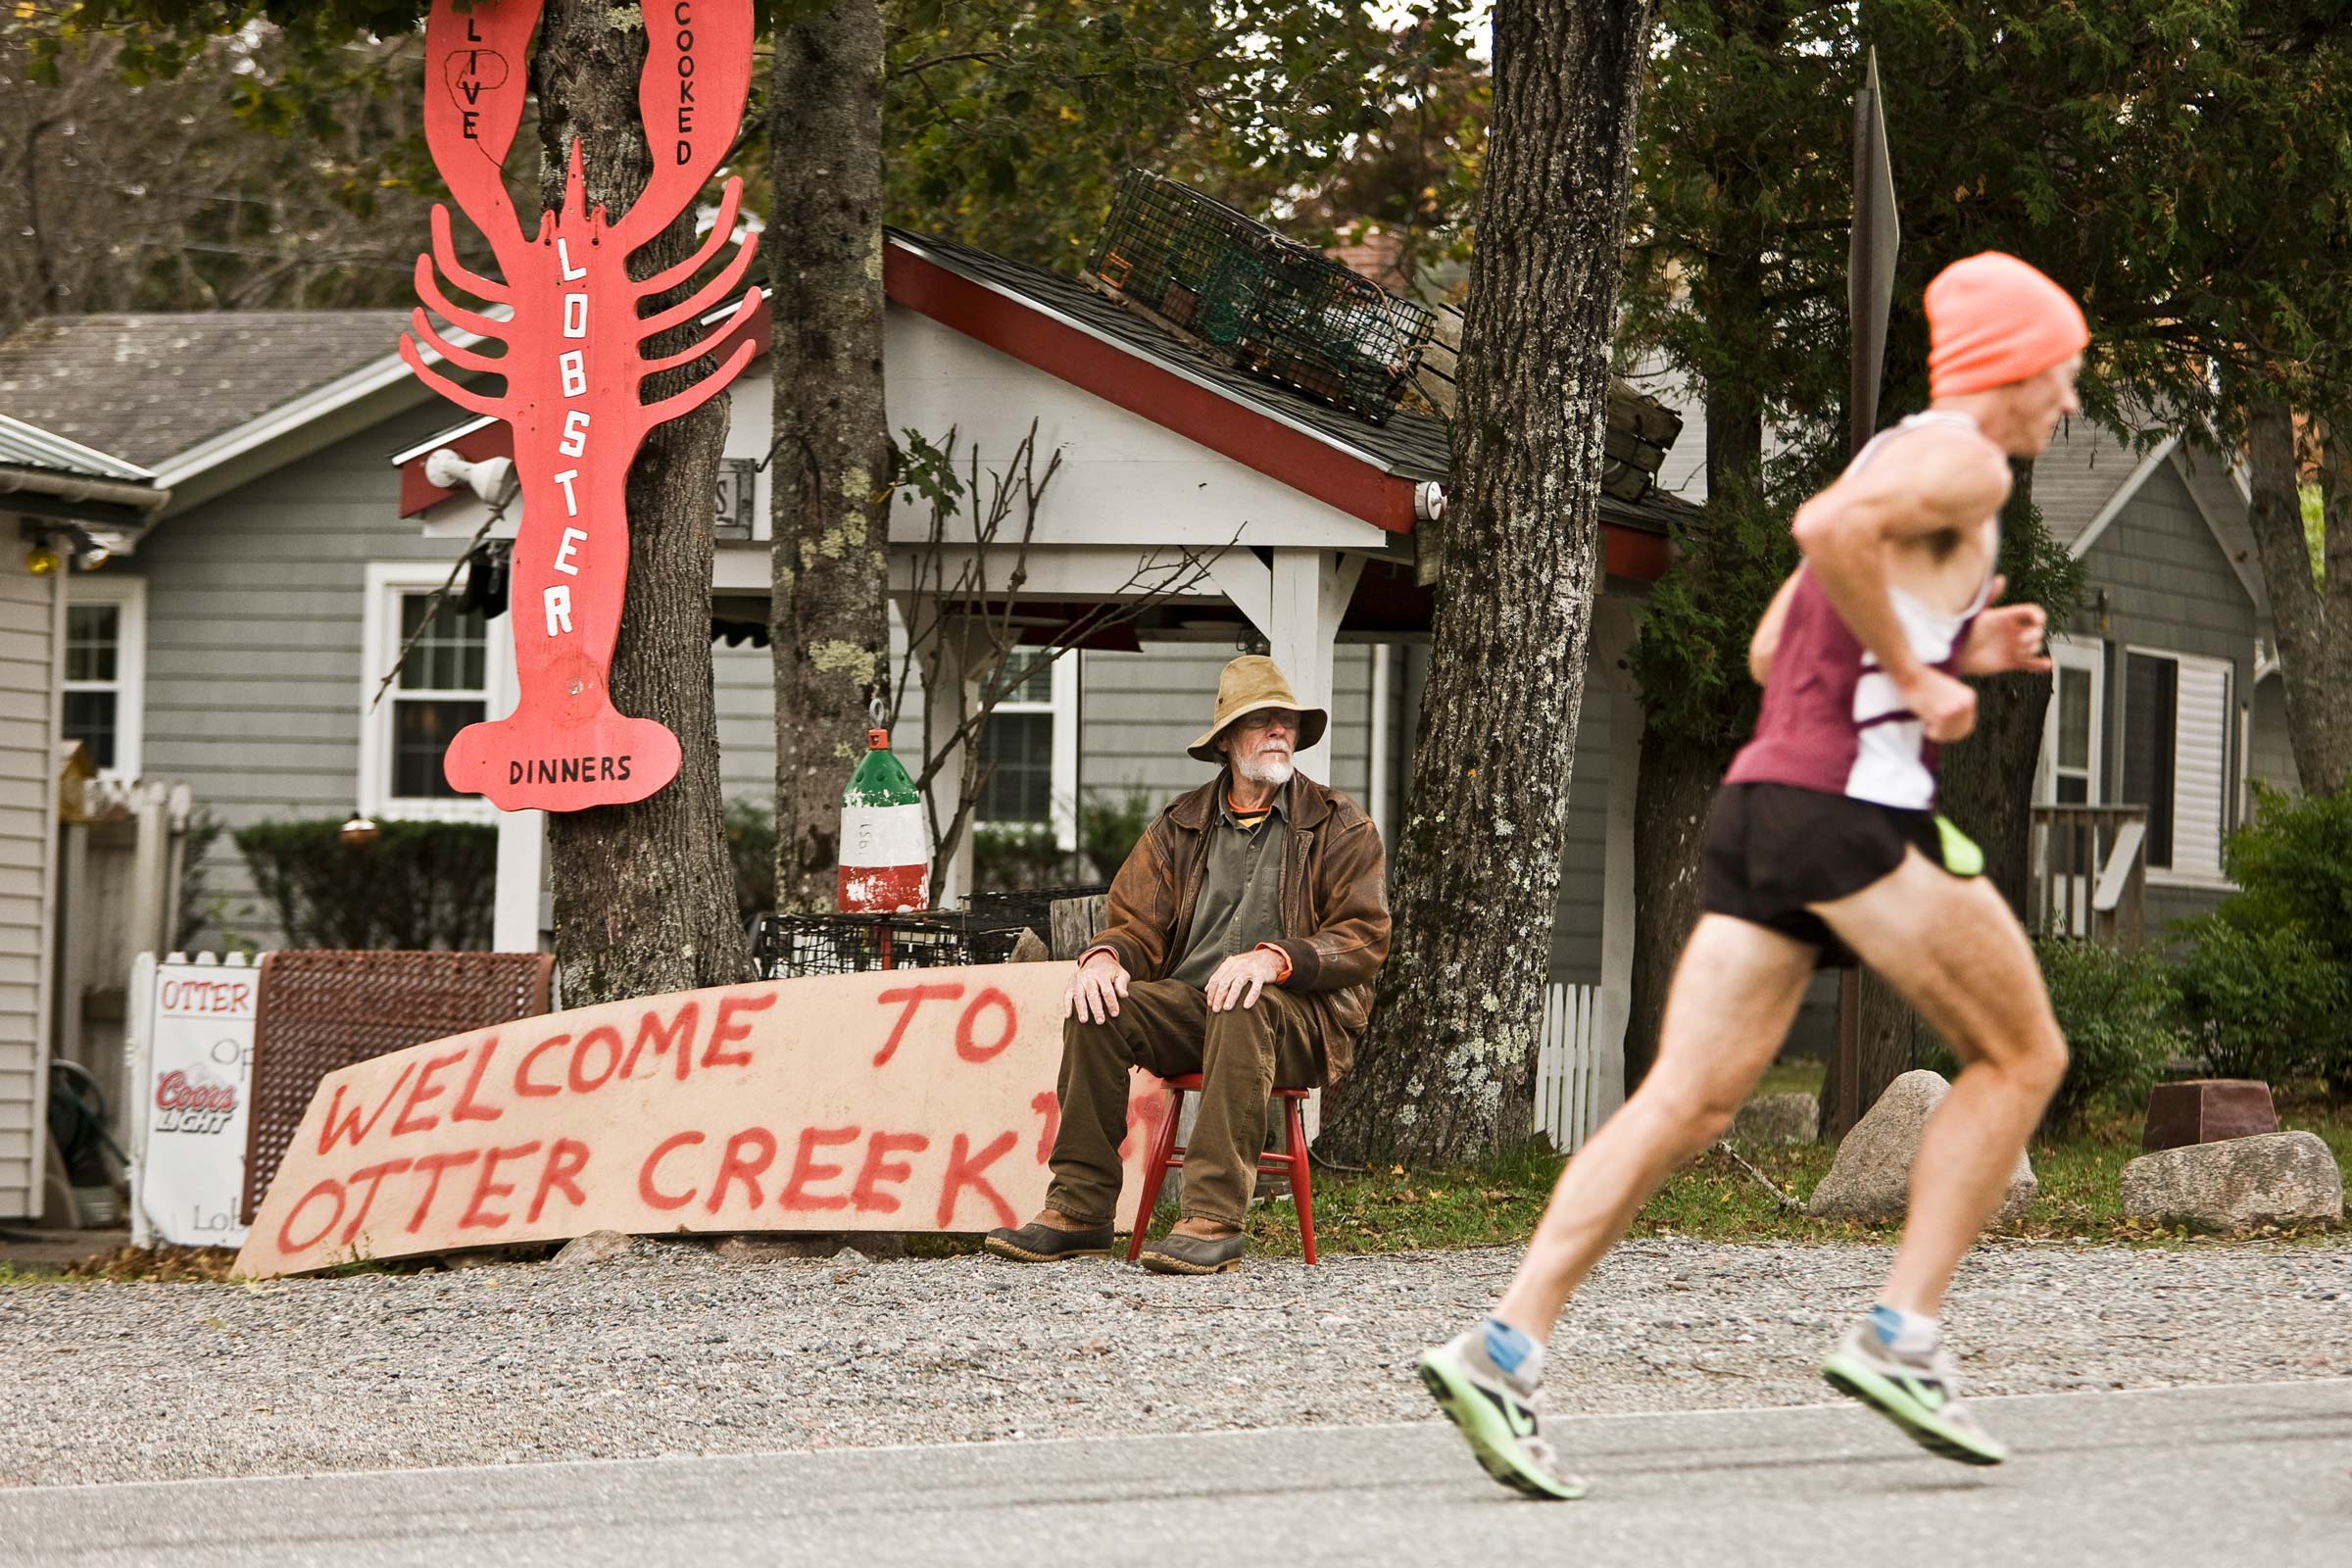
[(1018, 328)]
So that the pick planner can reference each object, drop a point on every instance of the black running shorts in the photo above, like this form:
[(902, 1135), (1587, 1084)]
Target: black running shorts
[(1772, 849)]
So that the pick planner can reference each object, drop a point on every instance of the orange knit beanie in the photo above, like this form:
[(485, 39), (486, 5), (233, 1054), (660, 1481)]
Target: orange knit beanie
[(1994, 320)]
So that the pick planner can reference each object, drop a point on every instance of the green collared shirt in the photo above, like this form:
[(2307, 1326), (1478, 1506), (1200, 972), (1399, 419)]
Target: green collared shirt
[(1240, 889)]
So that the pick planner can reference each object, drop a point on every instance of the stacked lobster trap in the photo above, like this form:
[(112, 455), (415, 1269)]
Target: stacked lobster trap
[(1250, 299)]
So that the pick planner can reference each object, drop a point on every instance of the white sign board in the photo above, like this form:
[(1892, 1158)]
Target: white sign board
[(192, 1076)]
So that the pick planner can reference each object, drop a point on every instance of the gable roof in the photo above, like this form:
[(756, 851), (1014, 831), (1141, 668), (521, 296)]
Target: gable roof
[(1409, 444), (28, 446), (1379, 473), (43, 474), (151, 387), (2086, 477)]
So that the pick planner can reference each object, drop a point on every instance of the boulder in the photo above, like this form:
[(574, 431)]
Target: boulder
[(1778, 1119), (1871, 1177), (2206, 1110), (597, 1247), (2238, 1185)]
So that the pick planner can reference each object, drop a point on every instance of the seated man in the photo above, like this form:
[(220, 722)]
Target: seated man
[(1244, 931)]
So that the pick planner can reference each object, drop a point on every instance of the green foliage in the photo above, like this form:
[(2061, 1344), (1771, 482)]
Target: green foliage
[(1010, 855), (1691, 657), (1009, 123), (1109, 827), (2268, 974), (2315, 530), (751, 829), (2115, 1007), (2292, 865), (2261, 1002), (421, 885)]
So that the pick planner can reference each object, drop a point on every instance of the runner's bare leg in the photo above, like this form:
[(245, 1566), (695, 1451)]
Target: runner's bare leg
[(1951, 947), (1736, 990)]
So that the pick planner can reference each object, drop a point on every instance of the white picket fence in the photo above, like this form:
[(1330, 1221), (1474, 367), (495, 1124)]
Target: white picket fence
[(1580, 1063)]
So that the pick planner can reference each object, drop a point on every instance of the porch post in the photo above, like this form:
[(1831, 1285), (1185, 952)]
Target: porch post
[(1614, 628), (1309, 592), (521, 871)]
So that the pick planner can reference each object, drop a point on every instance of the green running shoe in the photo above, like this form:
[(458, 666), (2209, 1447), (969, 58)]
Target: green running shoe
[(1495, 1418), (1917, 1394)]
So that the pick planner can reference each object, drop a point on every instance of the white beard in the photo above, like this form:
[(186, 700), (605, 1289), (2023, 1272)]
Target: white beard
[(1265, 770)]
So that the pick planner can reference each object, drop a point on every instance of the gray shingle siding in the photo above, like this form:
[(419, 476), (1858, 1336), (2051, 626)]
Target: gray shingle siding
[(256, 613), (2169, 588), (2272, 759), (27, 841)]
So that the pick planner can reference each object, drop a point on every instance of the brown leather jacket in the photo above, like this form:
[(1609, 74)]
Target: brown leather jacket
[(1334, 905)]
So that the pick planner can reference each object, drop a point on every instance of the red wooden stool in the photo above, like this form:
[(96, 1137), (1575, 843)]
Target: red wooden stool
[(1290, 1161)]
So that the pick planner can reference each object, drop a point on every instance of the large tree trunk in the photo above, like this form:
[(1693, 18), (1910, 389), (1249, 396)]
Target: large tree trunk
[(1447, 1070), (2313, 620), (644, 895), (830, 622), (1985, 786)]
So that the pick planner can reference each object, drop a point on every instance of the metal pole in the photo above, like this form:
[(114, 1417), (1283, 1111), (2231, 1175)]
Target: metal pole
[(1870, 295)]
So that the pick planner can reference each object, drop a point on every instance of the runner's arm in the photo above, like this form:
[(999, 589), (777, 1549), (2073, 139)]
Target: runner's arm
[(1767, 640), (1928, 483)]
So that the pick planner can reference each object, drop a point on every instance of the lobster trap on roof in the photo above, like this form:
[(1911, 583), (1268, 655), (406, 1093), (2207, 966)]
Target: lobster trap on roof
[(1252, 299)]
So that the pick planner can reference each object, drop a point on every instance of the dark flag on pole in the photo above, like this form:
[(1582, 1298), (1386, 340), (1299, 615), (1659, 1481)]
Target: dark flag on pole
[(1870, 267)]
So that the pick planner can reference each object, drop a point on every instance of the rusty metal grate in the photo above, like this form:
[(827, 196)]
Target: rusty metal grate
[(324, 1010)]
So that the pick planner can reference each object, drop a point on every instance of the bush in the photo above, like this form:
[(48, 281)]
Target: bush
[(2292, 865), (1010, 855), (752, 851), (2264, 1002), (2116, 1009), (1109, 829), (419, 885)]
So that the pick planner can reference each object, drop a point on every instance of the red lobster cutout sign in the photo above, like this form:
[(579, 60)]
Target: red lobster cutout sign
[(573, 365)]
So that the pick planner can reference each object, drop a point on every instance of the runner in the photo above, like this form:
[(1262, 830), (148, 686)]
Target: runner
[(1823, 842)]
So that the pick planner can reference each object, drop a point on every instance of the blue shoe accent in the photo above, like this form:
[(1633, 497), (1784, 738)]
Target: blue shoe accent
[(1506, 1347)]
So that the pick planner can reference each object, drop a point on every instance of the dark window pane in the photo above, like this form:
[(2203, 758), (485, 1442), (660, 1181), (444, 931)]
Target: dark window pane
[(90, 720), (1019, 749), (2074, 719), (448, 656), (93, 633), (1037, 684), (2073, 791), (2151, 704), (421, 733)]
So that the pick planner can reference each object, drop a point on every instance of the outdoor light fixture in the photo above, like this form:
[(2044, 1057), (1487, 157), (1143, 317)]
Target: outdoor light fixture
[(359, 832), (486, 479), (54, 544)]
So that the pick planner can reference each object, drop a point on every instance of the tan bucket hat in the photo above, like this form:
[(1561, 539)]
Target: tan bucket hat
[(1250, 683)]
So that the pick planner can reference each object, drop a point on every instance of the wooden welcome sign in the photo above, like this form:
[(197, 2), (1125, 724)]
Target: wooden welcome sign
[(574, 366), (897, 1100)]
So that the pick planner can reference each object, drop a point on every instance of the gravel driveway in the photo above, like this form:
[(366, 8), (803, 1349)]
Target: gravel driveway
[(672, 1348)]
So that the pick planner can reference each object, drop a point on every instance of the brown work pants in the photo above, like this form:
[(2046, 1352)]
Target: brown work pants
[(1165, 1027)]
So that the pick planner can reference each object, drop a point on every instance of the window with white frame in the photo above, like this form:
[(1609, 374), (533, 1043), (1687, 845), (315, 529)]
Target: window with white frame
[(2072, 729), (1029, 752), (2178, 757), (106, 656), (454, 663)]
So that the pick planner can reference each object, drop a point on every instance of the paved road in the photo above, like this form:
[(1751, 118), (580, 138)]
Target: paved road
[(2217, 1475)]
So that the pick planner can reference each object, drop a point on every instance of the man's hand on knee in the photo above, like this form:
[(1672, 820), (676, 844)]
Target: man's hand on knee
[(1240, 978), (1095, 989)]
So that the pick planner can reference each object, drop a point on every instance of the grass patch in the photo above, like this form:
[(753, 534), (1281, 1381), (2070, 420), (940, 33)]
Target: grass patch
[(1714, 1198)]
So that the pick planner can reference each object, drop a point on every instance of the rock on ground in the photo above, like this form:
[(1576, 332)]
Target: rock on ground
[(2238, 1184), (1871, 1177), (1778, 1119)]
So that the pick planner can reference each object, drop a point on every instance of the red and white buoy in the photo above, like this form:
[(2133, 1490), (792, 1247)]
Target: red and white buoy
[(885, 843)]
